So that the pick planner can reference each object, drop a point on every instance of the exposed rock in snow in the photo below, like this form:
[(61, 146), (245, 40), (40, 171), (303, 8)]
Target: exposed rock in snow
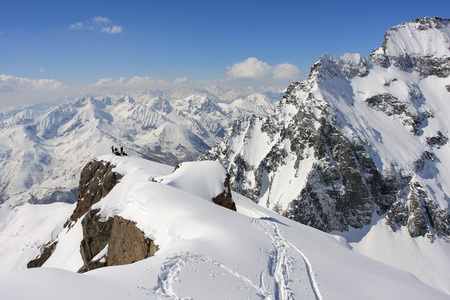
[(116, 241), (97, 179)]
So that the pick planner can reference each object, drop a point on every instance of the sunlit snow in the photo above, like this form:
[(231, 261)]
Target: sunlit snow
[(207, 251)]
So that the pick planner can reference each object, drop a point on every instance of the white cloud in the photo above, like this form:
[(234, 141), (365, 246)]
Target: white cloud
[(123, 82), (136, 83), (97, 23), (252, 68), (249, 68), (101, 20), (182, 80), (11, 83), (19, 91), (285, 71), (78, 25), (113, 29)]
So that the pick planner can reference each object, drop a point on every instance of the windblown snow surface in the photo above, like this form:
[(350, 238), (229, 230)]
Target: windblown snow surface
[(206, 251)]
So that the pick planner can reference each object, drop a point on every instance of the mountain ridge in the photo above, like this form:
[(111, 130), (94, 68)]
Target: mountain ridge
[(362, 141)]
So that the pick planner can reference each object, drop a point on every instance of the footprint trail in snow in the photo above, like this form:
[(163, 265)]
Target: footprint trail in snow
[(289, 270)]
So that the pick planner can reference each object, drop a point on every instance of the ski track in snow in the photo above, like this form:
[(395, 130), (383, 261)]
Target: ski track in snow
[(174, 266), (282, 259)]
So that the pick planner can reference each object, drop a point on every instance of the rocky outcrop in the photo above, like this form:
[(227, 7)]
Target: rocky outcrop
[(225, 198), (47, 251), (97, 179), (115, 241)]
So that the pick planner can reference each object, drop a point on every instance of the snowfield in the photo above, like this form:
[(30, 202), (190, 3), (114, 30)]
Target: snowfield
[(206, 251)]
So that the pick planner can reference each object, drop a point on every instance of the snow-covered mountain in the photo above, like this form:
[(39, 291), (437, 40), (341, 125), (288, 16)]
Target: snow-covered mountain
[(201, 250), (361, 148), (43, 148)]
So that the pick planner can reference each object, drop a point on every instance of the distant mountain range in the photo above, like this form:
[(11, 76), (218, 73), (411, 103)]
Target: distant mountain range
[(43, 148)]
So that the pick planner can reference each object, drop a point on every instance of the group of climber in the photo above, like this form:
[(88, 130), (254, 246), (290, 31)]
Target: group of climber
[(116, 151)]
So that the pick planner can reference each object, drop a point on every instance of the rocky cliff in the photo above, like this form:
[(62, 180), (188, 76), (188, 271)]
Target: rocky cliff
[(114, 241), (362, 137)]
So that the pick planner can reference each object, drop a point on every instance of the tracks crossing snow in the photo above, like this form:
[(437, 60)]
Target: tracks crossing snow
[(176, 265), (286, 263), (285, 271)]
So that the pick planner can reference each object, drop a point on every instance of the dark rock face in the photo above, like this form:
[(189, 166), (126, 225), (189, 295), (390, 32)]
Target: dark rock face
[(225, 198), (42, 258), (425, 216), (386, 103), (96, 180), (343, 186), (96, 235), (124, 241)]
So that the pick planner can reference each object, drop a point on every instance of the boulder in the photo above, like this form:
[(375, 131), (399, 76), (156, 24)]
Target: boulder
[(115, 241)]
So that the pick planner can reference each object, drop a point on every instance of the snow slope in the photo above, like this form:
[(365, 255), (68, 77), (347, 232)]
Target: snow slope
[(207, 251)]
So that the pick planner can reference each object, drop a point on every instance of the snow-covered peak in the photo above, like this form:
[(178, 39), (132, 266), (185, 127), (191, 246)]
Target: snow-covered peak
[(352, 64), (160, 104), (197, 104), (423, 37)]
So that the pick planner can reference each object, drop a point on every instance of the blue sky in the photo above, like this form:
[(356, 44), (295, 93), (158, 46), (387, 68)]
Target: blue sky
[(79, 43)]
